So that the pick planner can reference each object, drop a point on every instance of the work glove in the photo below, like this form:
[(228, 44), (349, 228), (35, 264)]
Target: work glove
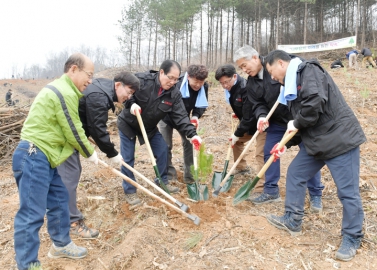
[(93, 158), (195, 121), (196, 142), (233, 139), (116, 160), (278, 153), (262, 124), (291, 127), (135, 107), (234, 116)]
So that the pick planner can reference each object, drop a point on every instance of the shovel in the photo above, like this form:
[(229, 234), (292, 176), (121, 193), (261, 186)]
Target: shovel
[(164, 187), (219, 176), (194, 190), (244, 192), (217, 190), (183, 206), (192, 217)]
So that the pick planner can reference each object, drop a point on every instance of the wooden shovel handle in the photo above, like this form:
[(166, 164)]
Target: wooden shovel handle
[(282, 143), (145, 136)]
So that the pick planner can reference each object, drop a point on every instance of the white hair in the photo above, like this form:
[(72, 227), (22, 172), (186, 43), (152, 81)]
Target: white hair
[(246, 52)]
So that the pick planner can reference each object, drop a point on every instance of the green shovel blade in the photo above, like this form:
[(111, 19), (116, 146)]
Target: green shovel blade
[(193, 191), (198, 192), (244, 192), (162, 184), (218, 178)]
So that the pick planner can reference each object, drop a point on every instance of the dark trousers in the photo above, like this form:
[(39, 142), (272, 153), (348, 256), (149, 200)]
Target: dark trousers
[(345, 171), (127, 150), (274, 135), (70, 172)]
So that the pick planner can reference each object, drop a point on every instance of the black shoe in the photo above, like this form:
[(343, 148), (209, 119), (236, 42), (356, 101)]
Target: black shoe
[(286, 222)]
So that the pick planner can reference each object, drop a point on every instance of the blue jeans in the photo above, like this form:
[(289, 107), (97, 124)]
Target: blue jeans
[(344, 169), (41, 192), (160, 152), (274, 135)]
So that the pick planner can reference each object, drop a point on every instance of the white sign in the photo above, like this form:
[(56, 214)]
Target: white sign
[(329, 45)]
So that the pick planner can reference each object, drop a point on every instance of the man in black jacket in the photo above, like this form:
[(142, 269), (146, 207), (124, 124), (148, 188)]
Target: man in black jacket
[(366, 52), (263, 93), (194, 92), (235, 89), (98, 98), (158, 97), (331, 135)]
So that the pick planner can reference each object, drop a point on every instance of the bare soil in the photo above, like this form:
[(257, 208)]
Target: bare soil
[(153, 236)]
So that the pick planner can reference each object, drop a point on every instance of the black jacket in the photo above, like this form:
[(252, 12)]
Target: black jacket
[(189, 102), (263, 95), (366, 52), (336, 64), (8, 96), (242, 107), (98, 98), (327, 124), (154, 108)]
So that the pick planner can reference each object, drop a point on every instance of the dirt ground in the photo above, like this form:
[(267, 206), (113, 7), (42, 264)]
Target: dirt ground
[(153, 236)]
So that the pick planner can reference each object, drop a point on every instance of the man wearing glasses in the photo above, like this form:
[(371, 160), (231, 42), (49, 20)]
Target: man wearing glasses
[(263, 92), (194, 92), (99, 97), (158, 96), (236, 95), (49, 135)]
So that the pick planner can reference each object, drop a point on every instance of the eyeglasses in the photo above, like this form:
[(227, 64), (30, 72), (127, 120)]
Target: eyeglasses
[(171, 78), (129, 91), (226, 82), (90, 75)]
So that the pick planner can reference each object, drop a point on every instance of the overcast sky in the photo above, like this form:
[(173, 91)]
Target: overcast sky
[(32, 29)]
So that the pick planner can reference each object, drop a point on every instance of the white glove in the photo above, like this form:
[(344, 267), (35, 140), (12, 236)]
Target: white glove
[(93, 158), (196, 141), (262, 124), (195, 121), (291, 127), (135, 107), (117, 159), (233, 139)]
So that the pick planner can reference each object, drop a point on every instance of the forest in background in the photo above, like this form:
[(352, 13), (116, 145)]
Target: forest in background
[(209, 31)]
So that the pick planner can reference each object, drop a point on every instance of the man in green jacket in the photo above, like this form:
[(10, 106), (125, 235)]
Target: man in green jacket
[(49, 136)]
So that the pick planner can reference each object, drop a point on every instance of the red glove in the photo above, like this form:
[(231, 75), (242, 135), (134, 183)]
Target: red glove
[(195, 121), (278, 153), (196, 141), (234, 116)]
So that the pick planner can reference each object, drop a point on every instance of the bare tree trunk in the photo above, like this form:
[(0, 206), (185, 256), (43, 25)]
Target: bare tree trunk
[(221, 35), (232, 38), (241, 32), (216, 41), (305, 20), (149, 46), (191, 30), (187, 45), (259, 29), (209, 36), (201, 35), (357, 19), (364, 25), (227, 37), (155, 46)]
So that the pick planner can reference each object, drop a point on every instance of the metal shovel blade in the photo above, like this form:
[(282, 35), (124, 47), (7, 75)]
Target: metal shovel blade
[(244, 192), (218, 178)]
